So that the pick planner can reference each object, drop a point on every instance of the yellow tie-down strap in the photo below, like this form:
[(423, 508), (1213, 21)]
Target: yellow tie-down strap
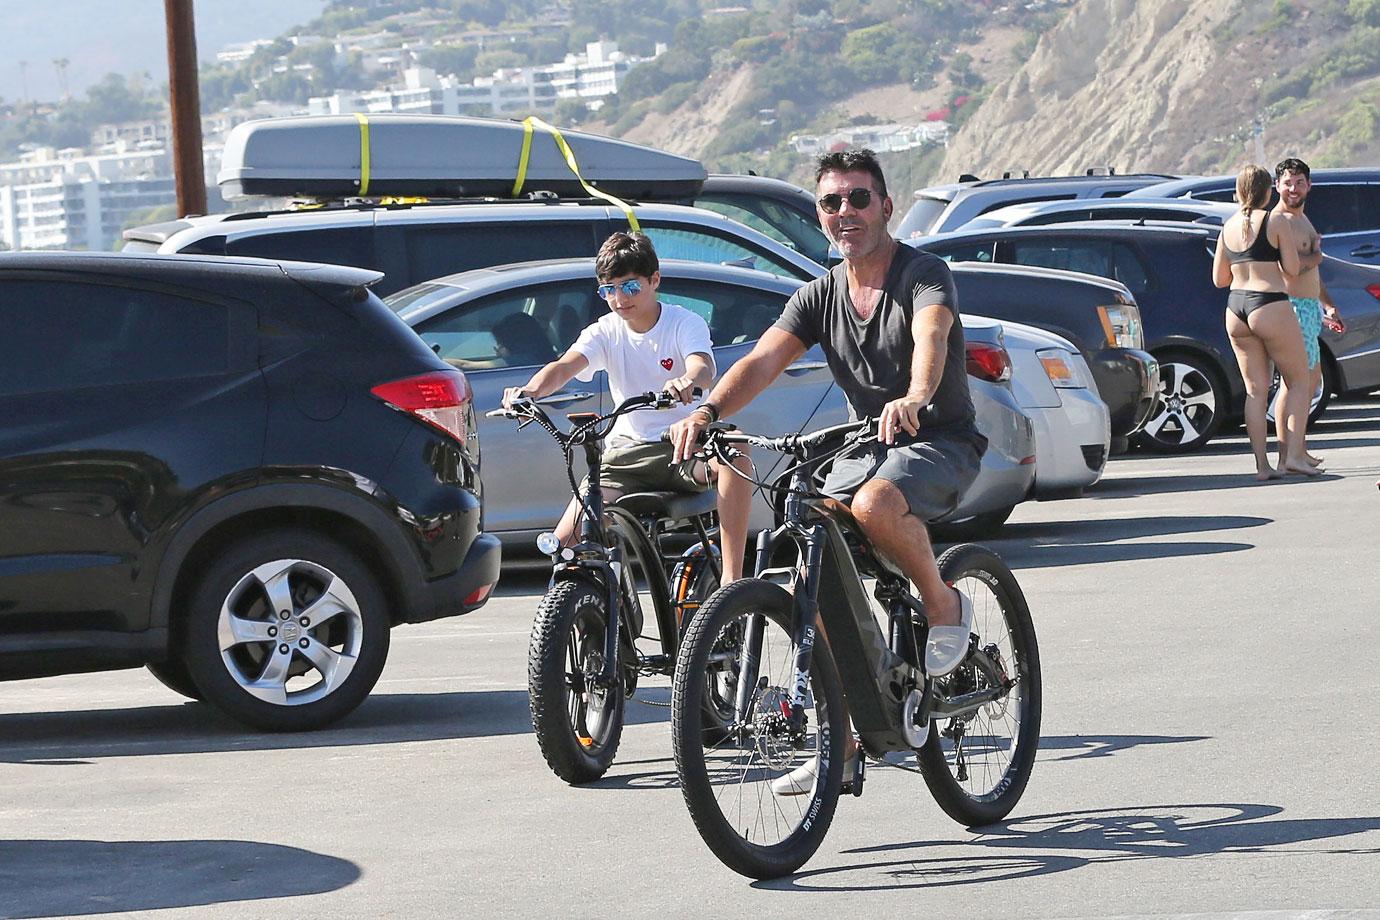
[(363, 153), (533, 121)]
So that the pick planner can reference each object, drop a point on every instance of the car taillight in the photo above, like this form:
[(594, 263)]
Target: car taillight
[(988, 362), (441, 399), (1373, 290)]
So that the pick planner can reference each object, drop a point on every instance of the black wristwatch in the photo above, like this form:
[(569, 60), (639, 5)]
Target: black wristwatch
[(710, 408)]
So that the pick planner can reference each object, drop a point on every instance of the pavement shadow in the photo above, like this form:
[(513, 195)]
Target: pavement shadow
[(1137, 486), (69, 878), (1089, 540), (1071, 840), (74, 738), (1085, 747)]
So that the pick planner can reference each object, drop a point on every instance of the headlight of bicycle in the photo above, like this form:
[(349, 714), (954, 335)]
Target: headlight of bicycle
[(1064, 369), (548, 543), (1121, 323)]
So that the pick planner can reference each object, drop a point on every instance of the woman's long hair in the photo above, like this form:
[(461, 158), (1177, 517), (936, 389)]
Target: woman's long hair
[(1252, 193)]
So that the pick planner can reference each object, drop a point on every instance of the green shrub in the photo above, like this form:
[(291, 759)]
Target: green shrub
[(675, 96), (870, 52), (1356, 127)]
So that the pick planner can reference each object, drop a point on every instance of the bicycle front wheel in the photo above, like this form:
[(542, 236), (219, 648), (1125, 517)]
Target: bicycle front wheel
[(578, 723), (977, 764), (763, 792)]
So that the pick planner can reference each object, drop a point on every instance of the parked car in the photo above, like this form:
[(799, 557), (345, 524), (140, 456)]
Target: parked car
[(1040, 213), (1056, 388), (783, 211), (941, 208), (525, 480), (1168, 268), (413, 243), (183, 484), (1342, 205), (1098, 316)]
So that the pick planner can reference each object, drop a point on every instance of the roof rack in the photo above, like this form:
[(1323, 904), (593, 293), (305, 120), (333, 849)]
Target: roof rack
[(1100, 171)]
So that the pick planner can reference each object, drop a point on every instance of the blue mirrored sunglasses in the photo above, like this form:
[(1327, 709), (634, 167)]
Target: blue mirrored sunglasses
[(630, 288)]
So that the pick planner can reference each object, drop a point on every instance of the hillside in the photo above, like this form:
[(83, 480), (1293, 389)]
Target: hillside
[(1181, 85)]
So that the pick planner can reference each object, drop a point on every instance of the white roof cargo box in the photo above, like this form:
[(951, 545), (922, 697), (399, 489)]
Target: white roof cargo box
[(436, 156)]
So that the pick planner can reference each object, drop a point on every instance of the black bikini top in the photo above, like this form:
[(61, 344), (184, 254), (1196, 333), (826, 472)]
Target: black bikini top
[(1260, 250)]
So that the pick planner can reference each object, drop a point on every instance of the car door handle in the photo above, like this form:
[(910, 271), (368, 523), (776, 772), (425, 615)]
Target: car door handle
[(560, 399), (1366, 251), (801, 367)]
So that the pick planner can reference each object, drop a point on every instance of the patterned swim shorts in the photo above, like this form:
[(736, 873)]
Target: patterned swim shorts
[(1310, 315)]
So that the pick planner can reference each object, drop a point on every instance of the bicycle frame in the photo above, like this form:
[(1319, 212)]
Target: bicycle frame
[(879, 673)]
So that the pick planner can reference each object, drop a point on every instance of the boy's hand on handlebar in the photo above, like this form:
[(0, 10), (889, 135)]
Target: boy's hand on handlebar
[(683, 389), (899, 415), (685, 435)]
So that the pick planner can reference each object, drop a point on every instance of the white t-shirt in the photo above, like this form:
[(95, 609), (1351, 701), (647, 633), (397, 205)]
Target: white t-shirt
[(641, 362)]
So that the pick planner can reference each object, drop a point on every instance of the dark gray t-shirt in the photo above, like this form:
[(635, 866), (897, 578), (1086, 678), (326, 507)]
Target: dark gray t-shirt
[(871, 359)]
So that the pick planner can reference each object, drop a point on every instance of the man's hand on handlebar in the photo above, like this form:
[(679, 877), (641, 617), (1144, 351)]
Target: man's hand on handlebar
[(898, 415), (685, 435), (512, 395)]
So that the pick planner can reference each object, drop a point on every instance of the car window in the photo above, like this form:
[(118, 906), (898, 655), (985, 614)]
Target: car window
[(784, 224), (921, 218), (1025, 199), (736, 314), (434, 250), (524, 327), (1222, 194), (1055, 217), (1128, 269), (1092, 257), (966, 251), (71, 335), (1337, 209), (342, 246), (698, 245)]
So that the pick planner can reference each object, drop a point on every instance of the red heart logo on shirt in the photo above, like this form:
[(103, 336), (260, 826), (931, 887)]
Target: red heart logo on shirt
[(668, 363)]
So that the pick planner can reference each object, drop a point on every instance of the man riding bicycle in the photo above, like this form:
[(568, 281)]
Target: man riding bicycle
[(887, 320)]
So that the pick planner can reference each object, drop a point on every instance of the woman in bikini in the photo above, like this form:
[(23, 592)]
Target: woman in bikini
[(1256, 257)]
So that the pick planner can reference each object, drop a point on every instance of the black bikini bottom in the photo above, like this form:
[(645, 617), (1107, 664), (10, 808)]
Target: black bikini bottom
[(1244, 303)]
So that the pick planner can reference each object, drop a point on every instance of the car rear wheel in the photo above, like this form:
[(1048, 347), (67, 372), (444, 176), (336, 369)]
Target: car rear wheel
[(1321, 396), (1192, 402), (287, 631)]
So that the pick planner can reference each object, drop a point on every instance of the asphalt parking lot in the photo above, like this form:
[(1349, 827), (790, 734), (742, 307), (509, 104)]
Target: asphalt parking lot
[(1209, 648)]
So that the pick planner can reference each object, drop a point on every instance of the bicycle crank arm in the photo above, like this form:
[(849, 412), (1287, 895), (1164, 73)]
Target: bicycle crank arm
[(965, 704)]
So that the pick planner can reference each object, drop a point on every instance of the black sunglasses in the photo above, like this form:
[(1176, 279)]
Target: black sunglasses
[(859, 198)]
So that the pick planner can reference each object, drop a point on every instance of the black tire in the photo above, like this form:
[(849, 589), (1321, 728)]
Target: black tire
[(1321, 397), (331, 661), (1191, 407), (977, 527), (566, 648), (995, 776), (718, 778), (174, 675)]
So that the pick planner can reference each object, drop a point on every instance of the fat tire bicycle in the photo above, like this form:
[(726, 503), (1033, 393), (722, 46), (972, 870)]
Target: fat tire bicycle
[(583, 661), (974, 731)]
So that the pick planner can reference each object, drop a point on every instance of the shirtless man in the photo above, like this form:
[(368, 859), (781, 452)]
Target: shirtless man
[(1312, 304)]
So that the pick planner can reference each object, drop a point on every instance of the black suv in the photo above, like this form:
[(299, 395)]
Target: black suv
[(239, 473)]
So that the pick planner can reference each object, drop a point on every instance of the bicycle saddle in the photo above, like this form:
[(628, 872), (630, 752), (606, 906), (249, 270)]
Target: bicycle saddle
[(674, 505)]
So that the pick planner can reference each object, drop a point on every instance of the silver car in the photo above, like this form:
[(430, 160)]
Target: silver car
[(550, 302)]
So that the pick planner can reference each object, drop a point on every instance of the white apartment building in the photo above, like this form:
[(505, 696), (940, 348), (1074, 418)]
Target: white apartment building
[(61, 199), (592, 75), (884, 137)]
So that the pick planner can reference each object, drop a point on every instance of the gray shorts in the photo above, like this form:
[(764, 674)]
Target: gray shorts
[(932, 474)]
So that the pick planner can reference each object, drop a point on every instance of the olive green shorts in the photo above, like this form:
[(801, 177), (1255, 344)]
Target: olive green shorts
[(647, 468)]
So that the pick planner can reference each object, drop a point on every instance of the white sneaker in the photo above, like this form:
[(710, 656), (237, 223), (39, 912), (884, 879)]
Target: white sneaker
[(801, 780), (948, 645)]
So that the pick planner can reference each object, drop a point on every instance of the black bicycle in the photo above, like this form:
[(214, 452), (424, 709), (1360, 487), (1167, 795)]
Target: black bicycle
[(584, 662), (763, 791)]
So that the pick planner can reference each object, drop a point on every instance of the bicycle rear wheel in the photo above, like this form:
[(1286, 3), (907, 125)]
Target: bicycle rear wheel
[(578, 723), (977, 765), (733, 784)]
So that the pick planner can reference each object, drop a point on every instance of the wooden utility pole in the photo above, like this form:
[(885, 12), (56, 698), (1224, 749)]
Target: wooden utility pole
[(189, 174)]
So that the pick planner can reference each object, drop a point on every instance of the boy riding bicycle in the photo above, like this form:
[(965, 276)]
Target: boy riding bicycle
[(646, 345)]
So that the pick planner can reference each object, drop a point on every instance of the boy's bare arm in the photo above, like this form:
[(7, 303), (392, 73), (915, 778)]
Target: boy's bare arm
[(549, 379), (699, 372)]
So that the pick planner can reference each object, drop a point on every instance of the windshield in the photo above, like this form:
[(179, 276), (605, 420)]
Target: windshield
[(921, 218)]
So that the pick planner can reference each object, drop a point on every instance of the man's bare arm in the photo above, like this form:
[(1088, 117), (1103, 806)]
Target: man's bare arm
[(930, 330)]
